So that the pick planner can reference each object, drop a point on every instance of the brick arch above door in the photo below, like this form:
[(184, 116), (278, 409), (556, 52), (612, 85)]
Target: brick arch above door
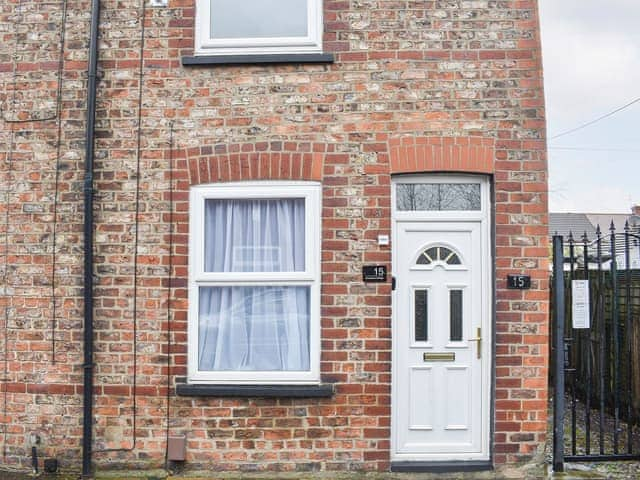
[(442, 154)]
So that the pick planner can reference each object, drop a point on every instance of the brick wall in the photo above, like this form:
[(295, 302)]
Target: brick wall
[(433, 72)]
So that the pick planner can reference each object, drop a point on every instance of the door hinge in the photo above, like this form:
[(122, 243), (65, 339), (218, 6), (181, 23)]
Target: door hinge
[(393, 282)]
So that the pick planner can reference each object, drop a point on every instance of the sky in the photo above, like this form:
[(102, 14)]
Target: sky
[(591, 55)]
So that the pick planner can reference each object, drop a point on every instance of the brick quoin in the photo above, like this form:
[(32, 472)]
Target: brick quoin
[(414, 87)]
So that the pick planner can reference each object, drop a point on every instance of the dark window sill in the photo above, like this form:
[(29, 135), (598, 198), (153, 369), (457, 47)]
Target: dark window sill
[(324, 390), (253, 59)]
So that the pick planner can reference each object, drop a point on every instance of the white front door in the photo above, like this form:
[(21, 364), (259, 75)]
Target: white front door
[(441, 331)]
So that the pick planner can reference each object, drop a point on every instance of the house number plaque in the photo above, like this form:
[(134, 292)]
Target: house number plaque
[(519, 282), (374, 273)]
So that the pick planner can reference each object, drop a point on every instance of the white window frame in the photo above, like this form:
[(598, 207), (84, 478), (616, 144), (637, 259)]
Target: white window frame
[(311, 193), (205, 45)]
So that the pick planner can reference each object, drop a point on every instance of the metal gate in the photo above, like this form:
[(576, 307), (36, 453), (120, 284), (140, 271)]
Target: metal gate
[(596, 347)]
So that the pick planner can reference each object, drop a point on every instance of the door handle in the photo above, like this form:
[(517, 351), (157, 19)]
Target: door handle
[(478, 339)]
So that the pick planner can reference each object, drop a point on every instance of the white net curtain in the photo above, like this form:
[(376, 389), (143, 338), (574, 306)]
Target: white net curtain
[(262, 326)]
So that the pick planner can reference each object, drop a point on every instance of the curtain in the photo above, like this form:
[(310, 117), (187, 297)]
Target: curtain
[(262, 327)]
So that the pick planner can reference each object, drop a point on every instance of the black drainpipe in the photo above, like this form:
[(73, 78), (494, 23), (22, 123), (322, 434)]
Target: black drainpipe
[(87, 426)]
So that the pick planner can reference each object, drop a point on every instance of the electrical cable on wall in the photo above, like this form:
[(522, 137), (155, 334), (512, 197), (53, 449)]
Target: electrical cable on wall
[(5, 352), (12, 121), (134, 400), (54, 259), (9, 183), (62, 31), (56, 116), (169, 287)]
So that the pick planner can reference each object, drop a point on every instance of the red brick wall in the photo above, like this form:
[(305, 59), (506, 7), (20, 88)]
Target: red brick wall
[(457, 73)]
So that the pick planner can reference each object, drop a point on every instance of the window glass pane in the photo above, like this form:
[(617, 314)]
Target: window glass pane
[(455, 315), (421, 315), (258, 18), (265, 235), (459, 196), (417, 196), (254, 328), (438, 196)]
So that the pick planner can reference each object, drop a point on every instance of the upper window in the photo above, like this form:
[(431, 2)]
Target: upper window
[(225, 27), (254, 286)]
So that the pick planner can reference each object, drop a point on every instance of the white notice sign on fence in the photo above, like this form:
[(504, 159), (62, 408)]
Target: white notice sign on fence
[(580, 303)]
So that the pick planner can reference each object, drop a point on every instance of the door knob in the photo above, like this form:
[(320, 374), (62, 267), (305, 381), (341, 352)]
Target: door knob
[(478, 339)]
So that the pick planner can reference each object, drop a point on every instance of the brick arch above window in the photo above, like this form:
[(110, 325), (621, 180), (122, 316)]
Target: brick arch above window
[(259, 161), (442, 154)]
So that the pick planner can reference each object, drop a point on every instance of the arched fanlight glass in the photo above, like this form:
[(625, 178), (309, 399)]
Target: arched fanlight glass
[(438, 254)]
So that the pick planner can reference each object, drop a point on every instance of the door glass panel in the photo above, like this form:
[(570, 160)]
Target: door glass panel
[(438, 196), (435, 254), (445, 254), (455, 315), (453, 259), (421, 305)]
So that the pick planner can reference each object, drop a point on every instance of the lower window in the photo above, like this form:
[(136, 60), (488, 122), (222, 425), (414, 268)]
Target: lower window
[(254, 329), (253, 283)]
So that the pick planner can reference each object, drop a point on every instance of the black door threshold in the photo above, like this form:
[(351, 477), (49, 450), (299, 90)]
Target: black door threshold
[(442, 467)]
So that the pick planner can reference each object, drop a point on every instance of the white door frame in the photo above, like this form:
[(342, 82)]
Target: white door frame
[(483, 217)]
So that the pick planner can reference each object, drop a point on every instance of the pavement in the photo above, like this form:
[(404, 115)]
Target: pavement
[(609, 470)]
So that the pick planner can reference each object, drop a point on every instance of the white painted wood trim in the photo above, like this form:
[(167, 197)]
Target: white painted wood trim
[(312, 193)]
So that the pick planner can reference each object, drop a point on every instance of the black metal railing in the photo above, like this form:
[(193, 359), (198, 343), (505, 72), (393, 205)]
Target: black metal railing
[(596, 365)]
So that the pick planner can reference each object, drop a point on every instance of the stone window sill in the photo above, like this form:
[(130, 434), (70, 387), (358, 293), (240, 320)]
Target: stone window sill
[(195, 60), (323, 390)]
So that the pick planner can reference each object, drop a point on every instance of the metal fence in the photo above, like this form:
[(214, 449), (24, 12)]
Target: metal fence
[(596, 346)]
